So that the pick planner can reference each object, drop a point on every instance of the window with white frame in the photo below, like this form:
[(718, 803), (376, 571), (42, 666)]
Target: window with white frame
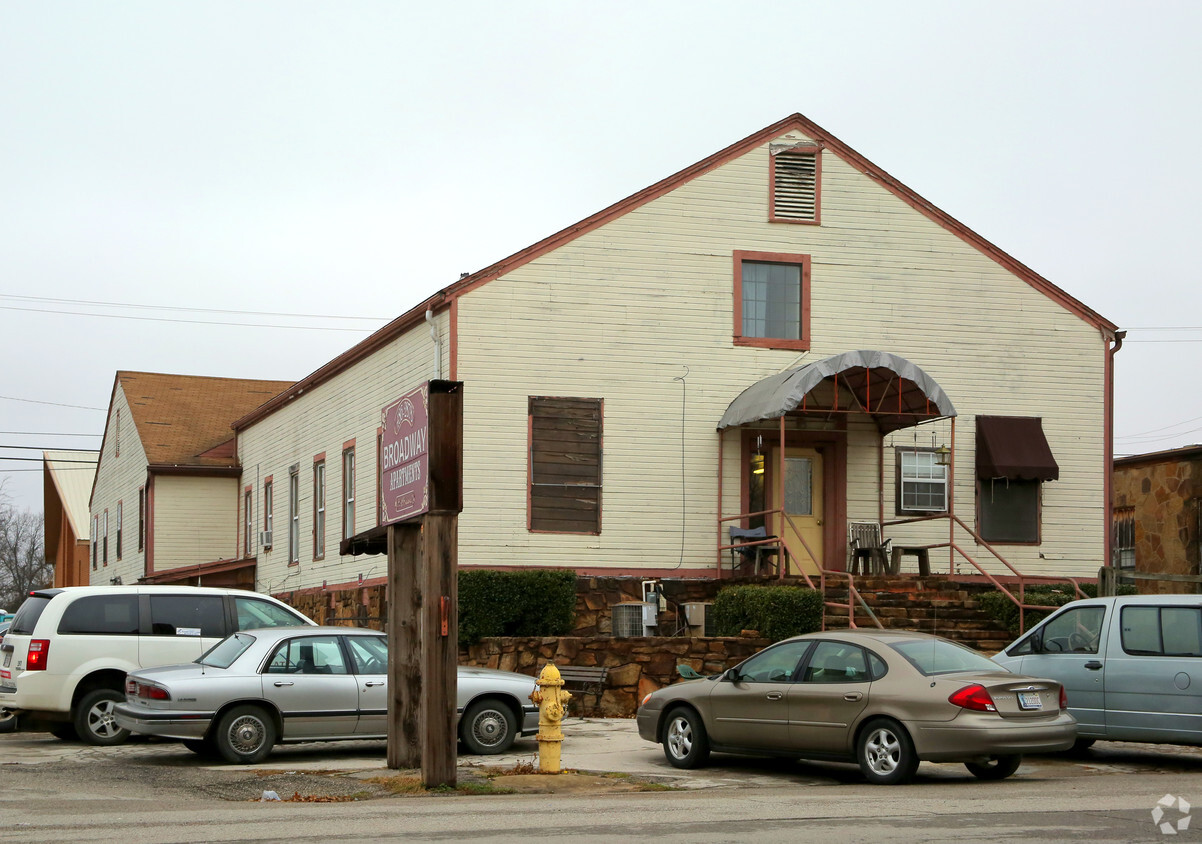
[(268, 510), (248, 523), (293, 515), (319, 510), (921, 481), (348, 493)]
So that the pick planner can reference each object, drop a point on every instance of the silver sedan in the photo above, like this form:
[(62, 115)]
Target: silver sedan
[(258, 688)]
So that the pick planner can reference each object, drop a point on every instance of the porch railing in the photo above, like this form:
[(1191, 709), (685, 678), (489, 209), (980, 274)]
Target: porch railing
[(787, 552)]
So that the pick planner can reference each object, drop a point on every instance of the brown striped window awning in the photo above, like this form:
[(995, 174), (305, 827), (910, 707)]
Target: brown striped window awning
[(1014, 447)]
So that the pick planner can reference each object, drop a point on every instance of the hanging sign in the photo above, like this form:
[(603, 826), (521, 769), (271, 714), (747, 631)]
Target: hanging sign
[(405, 457)]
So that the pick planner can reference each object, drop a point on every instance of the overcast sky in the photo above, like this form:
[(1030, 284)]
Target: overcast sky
[(348, 159)]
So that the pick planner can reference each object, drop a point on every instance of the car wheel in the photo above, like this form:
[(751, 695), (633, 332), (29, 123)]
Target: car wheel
[(885, 753), (488, 727), (1081, 745), (64, 731), (997, 768), (201, 747), (8, 720), (94, 720), (685, 742), (245, 735)]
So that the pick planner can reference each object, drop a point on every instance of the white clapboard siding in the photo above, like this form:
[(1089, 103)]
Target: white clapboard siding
[(118, 478), (192, 520)]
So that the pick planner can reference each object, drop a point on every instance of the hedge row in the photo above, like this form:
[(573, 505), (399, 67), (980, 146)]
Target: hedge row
[(515, 603), (1000, 607), (776, 612)]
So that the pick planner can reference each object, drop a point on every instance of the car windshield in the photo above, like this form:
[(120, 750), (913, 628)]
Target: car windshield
[(939, 656), (223, 654)]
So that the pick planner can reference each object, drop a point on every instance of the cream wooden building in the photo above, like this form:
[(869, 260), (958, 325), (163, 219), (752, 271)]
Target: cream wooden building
[(599, 364)]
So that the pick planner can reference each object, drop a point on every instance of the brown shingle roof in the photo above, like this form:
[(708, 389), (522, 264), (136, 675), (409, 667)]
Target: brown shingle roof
[(184, 420)]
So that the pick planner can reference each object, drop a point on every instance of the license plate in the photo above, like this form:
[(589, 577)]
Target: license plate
[(1029, 700)]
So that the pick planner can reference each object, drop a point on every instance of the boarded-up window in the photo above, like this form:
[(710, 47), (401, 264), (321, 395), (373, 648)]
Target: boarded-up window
[(565, 465)]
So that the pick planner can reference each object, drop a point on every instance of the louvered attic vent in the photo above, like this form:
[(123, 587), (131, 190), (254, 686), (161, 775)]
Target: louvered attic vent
[(795, 186)]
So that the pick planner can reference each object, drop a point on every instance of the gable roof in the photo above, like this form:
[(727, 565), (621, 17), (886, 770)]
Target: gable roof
[(68, 476), (826, 140), (184, 420)]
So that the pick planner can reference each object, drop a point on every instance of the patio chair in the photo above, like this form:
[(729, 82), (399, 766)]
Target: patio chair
[(864, 543)]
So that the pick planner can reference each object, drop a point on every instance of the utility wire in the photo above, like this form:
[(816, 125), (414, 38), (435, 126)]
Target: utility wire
[(46, 434), (178, 308), (43, 448), (40, 460), (185, 321), (53, 403)]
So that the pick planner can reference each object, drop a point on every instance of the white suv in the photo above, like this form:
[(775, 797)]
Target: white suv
[(64, 661)]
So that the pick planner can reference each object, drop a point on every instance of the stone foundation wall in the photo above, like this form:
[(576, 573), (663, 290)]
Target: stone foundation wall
[(636, 665)]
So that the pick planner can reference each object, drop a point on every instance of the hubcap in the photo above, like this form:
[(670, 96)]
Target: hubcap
[(489, 728), (101, 720), (680, 737), (882, 751), (246, 734)]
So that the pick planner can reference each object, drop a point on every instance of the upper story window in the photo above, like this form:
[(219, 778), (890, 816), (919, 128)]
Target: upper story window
[(565, 465), (772, 300), (293, 515), (796, 184), (120, 509), (268, 510), (141, 517), (248, 523), (95, 540), (921, 481)]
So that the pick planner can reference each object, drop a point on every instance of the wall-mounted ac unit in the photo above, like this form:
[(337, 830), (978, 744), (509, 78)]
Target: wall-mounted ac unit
[(265, 539), (700, 618)]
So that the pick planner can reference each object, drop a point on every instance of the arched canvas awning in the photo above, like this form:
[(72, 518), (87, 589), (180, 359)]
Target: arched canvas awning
[(894, 391)]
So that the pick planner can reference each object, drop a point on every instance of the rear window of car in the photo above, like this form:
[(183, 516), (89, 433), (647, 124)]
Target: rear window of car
[(254, 613), (939, 656), (224, 653), (187, 615), (1162, 631), (29, 613), (111, 615)]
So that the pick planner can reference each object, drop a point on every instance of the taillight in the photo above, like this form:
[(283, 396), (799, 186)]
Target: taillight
[(1063, 698), (974, 697), (147, 690), (39, 652), (131, 687)]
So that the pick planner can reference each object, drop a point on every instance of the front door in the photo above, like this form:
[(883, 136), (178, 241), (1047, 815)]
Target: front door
[(801, 492)]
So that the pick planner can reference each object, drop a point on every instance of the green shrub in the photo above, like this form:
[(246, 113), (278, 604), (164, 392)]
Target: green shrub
[(999, 607), (777, 612), (515, 603)]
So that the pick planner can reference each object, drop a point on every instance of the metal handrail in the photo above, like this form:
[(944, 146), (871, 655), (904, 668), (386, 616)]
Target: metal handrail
[(852, 592)]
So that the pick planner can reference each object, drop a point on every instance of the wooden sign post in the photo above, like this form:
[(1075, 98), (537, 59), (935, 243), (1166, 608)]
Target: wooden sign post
[(421, 484)]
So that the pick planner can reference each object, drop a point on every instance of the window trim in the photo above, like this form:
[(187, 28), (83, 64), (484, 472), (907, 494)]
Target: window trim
[(120, 513), (294, 515), (269, 510), (106, 537), (348, 489), (898, 481), (740, 256), (248, 522), (816, 151), (319, 507), (600, 487), (95, 541), (141, 518)]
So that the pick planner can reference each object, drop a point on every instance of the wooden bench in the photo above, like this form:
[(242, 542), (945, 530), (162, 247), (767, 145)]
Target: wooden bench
[(586, 679), (922, 552)]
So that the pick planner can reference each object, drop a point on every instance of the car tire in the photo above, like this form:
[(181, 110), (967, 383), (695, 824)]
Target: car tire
[(885, 753), (8, 721), (686, 744), (997, 768), (1081, 745), (245, 735), (94, 721), (488, 727)]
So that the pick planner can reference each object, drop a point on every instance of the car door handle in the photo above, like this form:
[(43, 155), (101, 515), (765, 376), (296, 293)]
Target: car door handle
[(1093, 665), (374, 683), (279, 683), (775, 695), (853, 696)]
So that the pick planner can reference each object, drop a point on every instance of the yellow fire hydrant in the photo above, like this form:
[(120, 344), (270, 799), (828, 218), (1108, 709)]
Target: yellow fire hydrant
[(552, 703)]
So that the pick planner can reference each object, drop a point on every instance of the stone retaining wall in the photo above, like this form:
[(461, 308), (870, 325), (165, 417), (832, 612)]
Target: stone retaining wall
[(637, 665)]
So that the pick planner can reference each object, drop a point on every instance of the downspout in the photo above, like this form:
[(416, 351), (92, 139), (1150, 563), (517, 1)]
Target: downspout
[(437, 342), (1108, 437)]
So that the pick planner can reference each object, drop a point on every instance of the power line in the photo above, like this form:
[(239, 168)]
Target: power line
[(185, 321), (46, 434), (40, 460), (53, 403), (178, 308), (43, 448), (1165, 428)]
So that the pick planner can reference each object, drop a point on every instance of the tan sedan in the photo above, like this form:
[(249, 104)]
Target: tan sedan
[(885, 699)]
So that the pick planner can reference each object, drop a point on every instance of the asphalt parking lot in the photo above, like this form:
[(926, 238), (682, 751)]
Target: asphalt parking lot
[(152, 768)]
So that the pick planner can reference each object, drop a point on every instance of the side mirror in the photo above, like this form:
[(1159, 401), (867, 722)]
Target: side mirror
[(731, 675)]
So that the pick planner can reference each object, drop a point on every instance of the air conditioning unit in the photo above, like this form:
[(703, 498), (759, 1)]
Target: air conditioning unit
[(265, 539), (700, 618), (628, 619)]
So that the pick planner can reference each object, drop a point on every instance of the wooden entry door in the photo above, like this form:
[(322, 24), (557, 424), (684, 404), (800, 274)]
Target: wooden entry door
[(801, 491)]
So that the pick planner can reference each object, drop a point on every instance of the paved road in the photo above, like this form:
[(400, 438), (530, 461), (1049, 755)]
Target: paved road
[(158, 792)]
